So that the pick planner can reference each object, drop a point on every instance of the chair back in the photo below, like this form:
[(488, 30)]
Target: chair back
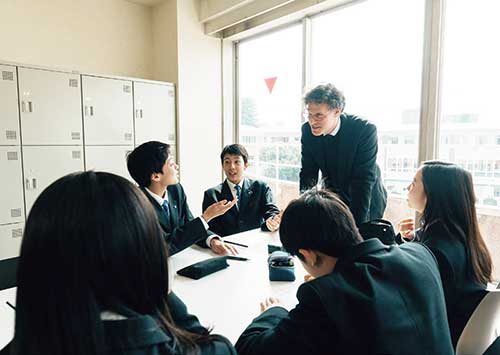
[(483, 327)]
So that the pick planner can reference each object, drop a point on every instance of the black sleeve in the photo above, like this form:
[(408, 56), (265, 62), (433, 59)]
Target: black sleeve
[(181, 317), (188, 230), (215, 227), (268, 208), (6, 350), (364, 173), (309, 169), (277, 331)]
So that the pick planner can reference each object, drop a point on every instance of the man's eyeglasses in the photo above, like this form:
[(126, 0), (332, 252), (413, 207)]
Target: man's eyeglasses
[(317, 116)]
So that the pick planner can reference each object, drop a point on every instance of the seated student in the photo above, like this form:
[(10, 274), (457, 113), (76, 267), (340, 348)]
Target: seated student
[(151, 166), (93, 277), (363, 297), (255, 207), (444, 194)]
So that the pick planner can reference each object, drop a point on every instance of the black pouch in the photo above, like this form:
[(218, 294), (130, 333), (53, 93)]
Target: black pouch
[(204, 268), (380, 229), (272, 248)]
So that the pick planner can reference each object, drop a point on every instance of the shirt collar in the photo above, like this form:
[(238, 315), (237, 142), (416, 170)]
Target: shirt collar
[(157, 198), (337, 129), (231, 185)]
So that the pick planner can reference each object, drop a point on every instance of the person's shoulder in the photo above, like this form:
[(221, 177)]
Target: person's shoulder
[(306, 129), (217, 188), (356, 121), (176, 190), (256, 183)]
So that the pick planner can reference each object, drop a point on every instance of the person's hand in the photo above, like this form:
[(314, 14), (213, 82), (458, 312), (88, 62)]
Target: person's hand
[(308, 278), (220, 248), (273, 223), (217, 209), (268, 303), (407, 228)]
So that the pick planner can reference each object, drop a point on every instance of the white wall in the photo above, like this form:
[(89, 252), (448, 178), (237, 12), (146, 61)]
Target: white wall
[(165, 42), (99, 36), (199, 104)]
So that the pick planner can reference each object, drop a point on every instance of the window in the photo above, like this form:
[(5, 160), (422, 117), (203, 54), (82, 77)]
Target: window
[(379, 70), (469, 106), (270, 92)]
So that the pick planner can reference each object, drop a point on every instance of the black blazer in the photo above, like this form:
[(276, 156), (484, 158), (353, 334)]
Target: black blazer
[(256, 206), (182, 231), (141, 335), (462, 293), (348, 165), (378, 300)]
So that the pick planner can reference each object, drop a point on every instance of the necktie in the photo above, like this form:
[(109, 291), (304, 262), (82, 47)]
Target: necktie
[(166, 210), (238, 194)]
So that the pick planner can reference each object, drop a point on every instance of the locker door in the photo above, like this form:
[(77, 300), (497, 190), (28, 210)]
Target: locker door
[(107, 111), (9, 109), (44, 165), (112, 159), (11, 185), (50, 105), (10, 240), (154, 114)]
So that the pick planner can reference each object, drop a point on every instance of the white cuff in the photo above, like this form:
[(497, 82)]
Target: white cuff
[(210, 237)]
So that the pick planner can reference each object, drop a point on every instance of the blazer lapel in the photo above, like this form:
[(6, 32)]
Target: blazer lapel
[(174, 210), (159, 211), (226, 194), (246, 195)]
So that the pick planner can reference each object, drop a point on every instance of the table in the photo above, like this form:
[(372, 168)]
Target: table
[(227, 300)]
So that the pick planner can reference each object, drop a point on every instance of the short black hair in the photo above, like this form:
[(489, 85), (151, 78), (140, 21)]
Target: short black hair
[(318, 220), (147, 159), (326, 94), (234, 149)]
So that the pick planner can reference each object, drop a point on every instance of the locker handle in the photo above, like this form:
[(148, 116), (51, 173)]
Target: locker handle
[(141, 112), (91, 110), (86, 111), (136, 113), (28, 184), (30, 106), (23, 106), (34, 183)]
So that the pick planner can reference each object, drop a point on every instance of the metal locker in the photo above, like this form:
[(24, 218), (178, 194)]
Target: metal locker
[(11, 185), (112, 159), (154, 112), (107, 111), (9, 109), (45, 164), (50, 104)]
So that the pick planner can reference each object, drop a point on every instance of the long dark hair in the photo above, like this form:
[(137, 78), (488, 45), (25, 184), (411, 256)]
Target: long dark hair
[(451, 201), (91, 243)]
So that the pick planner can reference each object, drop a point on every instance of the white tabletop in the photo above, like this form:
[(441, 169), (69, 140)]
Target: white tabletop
[(7, 315), (227, 300)]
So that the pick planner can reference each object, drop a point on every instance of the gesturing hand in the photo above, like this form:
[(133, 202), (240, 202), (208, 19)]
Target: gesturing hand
[(217, 209)]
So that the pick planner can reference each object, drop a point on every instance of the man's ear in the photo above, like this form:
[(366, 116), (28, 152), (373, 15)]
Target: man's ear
[(310, 256), (155, 177), (247, 164)]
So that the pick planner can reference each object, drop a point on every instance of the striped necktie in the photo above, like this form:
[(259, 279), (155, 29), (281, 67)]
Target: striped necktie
[(237, 188)]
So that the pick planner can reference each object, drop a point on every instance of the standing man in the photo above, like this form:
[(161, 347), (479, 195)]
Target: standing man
[(344, 147)]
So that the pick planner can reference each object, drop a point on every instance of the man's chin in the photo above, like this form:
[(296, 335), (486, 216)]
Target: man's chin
[(317, 133)]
